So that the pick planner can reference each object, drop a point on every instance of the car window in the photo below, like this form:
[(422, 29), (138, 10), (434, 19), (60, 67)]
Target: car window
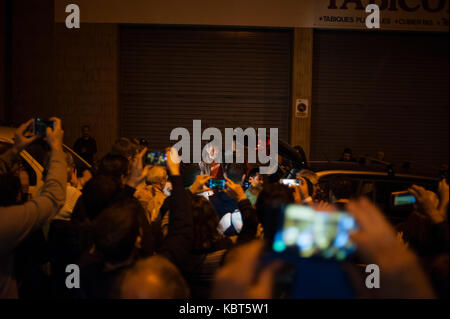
[(325, 184)]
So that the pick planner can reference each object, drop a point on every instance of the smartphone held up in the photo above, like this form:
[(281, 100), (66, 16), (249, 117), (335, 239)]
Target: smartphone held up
[(39, 126), (217, 184), (306, 232), (158, 158)]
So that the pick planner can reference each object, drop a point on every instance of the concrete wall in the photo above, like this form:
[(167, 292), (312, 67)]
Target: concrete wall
[(69, 73)]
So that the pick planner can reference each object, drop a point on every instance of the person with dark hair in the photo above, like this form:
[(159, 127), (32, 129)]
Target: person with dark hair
[(256, 184), (116, 234), (68, 239), (125, 147), (209, 247), (255, 179), (17, 222), (98, 194), (72, 193), (115, 181), (302, 154), (269, 207), (114, 165), (121, 234), (227, 207), (347, 156), (116, 230), (86, 146), (341, 190)]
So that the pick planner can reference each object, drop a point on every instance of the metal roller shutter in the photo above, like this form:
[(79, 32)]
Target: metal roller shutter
[(381, 91), (224, 77)]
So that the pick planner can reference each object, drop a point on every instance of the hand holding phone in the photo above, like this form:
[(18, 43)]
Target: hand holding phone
[(199, 184), (22, 136), (235, 190), (39, 126), (404, 198)]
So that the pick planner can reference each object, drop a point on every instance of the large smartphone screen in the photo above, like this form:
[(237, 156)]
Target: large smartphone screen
[(216, 184), (311, 233)]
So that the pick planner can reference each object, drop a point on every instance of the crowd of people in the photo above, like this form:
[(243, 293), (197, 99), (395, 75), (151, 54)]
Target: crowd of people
[(142, 231)]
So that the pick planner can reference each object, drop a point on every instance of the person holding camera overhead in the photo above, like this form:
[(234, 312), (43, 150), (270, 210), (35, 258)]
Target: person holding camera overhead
[(19, 221)]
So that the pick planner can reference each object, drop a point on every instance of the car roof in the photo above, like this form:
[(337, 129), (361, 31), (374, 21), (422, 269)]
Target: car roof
[(358, 168), (7, 135)]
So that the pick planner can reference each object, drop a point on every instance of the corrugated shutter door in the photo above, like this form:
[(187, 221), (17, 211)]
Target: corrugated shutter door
[(381, 91), (226, 78)]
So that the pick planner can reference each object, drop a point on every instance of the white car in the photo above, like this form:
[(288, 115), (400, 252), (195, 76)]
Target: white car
[(34, 157)]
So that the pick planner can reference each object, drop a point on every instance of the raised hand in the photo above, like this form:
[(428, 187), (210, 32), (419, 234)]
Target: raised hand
[(377, 243), (376, 239), (428, 203), (21, 141), (138, 171), (54, 137), (236, 280), (199, 184), (234, 190), (173, 161)]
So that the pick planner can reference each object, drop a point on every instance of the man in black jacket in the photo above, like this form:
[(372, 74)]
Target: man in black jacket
[(86, 146)]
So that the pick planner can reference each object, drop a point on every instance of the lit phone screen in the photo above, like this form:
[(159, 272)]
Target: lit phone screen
[(311, 233)]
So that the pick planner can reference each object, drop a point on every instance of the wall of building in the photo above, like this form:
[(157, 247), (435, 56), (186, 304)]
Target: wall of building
[(86, 75), (32, 60), (69, 73), (3, 26)]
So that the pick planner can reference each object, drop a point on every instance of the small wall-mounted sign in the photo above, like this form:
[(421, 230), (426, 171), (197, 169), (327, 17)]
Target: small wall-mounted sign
[(301, 108)]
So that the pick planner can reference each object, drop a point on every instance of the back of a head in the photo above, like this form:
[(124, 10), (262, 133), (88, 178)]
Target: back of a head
[(342, 187), (253, 172), (156, 175), (271, 200), (125, 147), (206, 221), (116, 229), (189, 172), (153, 278), (98, 193), (9, 188), (235, 171), (114, 165)]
